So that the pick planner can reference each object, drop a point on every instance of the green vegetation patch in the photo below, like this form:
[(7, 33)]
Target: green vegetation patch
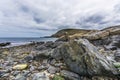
[(57, 77)]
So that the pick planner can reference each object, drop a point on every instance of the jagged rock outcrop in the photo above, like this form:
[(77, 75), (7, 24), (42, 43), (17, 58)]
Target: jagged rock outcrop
[(109, 42), (84, 59)]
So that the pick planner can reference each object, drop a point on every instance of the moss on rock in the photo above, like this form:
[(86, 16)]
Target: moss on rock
[(57, 77)]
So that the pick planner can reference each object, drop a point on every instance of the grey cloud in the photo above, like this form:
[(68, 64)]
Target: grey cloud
[(96, 18), (52, 15), (24, 8)]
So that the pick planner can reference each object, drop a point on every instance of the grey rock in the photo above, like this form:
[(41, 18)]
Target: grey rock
[(3, 72), (117, 56), (43, 67), (109, 43), (28, 58), (32, 68), (15, 73), (59, 64), (40, 76), (45, 61), (6, 75), (83, 58), (20, 77), (52, 62), (53, 69), (70, 75), (44, 54), (56, 54)]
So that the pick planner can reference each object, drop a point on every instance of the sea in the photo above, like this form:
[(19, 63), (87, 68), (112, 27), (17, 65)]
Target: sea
[(22, 40)]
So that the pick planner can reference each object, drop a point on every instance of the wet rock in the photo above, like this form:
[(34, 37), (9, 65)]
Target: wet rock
[(70, 75), (84, 58), (40, 76), (53, 70)]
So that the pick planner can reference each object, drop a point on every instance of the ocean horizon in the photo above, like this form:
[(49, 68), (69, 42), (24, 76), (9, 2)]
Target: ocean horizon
[(16, 41)]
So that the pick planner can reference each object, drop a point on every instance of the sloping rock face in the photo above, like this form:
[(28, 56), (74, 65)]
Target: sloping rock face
[(84, 59), (104, 33)]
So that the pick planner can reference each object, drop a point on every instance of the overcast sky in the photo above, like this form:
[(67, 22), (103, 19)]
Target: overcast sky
[(34, 18)]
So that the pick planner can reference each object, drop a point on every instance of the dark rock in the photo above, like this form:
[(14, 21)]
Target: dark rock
[(117, 56), (52, 62), (49, 44), (70, 75), (84, 58), (40, 43), (28, 58), (109, 43), (4, 44)]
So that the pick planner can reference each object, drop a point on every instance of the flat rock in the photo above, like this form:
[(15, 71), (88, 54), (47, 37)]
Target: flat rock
[(69, 75), (40, 76)]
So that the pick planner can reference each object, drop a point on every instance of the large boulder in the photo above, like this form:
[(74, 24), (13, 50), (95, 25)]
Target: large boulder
[(84, 59)]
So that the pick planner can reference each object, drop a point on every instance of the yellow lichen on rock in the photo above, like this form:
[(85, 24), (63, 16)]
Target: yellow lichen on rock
[(20, 66)]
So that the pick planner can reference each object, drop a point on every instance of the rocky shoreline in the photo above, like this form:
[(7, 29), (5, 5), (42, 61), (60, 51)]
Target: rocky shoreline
[(77, 59)]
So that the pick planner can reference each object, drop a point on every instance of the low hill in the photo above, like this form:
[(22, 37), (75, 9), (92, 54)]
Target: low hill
[(89, 34), (72, 32)]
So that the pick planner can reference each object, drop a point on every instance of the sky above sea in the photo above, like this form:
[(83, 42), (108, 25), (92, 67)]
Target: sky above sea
[(37, 18)]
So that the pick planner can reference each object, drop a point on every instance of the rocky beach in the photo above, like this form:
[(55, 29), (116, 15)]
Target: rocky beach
[(80, 55)]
